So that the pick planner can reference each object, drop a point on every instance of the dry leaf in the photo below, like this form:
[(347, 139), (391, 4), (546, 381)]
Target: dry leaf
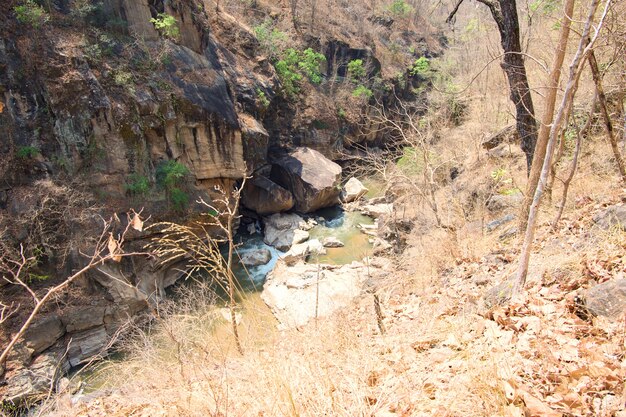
[(136, 223), (1, 107), (114, 248), (509, 391), (536, 407)]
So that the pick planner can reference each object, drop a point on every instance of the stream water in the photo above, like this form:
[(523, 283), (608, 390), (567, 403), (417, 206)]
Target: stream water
[(331, 222)]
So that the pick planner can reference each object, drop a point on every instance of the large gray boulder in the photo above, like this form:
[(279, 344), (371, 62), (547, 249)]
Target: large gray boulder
[(279, 230), (266, 197), (256, 257), (313, 179), (607, 299), (612, 216)]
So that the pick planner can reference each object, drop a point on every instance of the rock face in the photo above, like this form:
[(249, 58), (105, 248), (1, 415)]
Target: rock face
[(377, 210), (290, 291), (266, 197), (256, 257), (353, 190), (312, 178), (607, 299), (44, 333), (279, 230)]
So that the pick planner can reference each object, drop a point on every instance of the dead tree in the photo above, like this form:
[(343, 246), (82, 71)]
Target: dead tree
[(107, 248), (504, 13)]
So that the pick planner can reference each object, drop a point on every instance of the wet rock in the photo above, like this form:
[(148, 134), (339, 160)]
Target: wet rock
[(332, 242), (607, 299), (266, 197), (377, 210), (312, 178), (504, 201), (83, 319), (290, 291), (353, 190), (300, 236), (44, 333), (87, 345), (279, 230), (256, 257), (612, 216)]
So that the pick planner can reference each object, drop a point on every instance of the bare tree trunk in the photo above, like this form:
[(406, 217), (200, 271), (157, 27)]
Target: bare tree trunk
[(570, 176), (576, 66), (548, 113), (608, 125)]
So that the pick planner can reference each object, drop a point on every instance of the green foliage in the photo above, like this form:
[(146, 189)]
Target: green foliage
[(170, 174), (362, 91), (166, 25), (356, 69), (264, 102), (400, 8), (31, 13), (269, 38), (27, 152), (102, 48), (137, 185), (503, 183), (289, 78), (309, 63), (124, 79), (179, 199), (341, 113), (421, 67)]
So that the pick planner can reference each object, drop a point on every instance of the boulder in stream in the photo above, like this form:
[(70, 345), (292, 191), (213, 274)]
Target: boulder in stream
[(332, 242), (264, 196), (313, 179), (353, 190), (279, 230), (256, 257)]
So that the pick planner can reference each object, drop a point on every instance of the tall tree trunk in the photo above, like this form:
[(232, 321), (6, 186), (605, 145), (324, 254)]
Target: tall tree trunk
[(504, 12), (608, 125), (548, 114), (575, 70)]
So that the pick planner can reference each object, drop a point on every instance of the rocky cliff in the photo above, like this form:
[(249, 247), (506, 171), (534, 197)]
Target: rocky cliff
[(94, 104)]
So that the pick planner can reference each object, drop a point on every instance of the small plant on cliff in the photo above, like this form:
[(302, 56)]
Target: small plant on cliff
[(270, 38), (171, 175), (310, 62), (362, 91), (31, 13), (27, 152), (264, 102), (421, 67), (137, 185), (166, 25), (400, 8), (356, 69), (294, 64)]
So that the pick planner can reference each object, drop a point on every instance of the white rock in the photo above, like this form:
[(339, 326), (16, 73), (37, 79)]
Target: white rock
[(353, 190), (332, 242), (377, 210), (290, 291), (300, 236), (301, 251)]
